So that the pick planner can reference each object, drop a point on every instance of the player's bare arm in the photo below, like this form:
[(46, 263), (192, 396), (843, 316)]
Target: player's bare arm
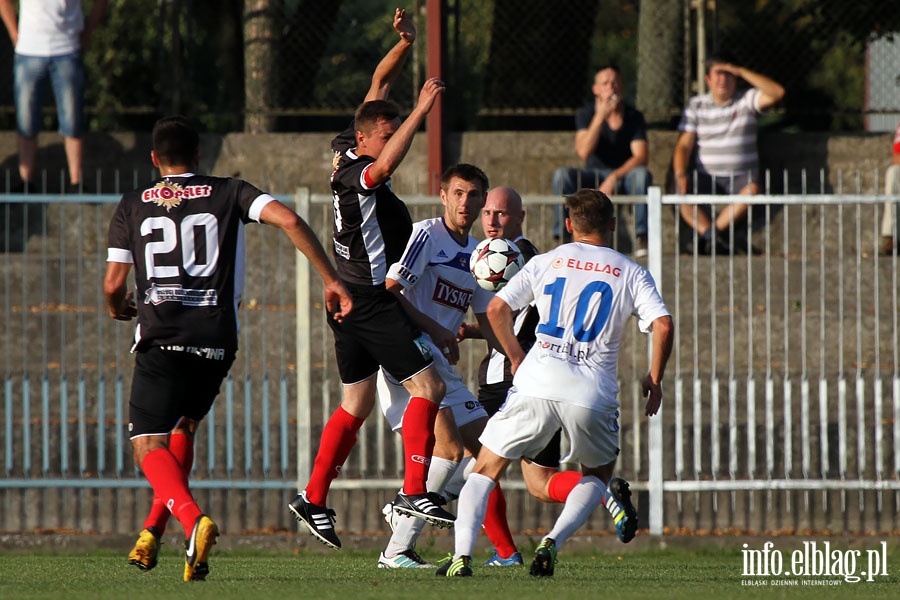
[(486, 332), (683, 148), (10, 19), (663, 334), (502, 319), (389, 67), (442, 337), (396, 148), (772, 91), (337, 299), (469, 331), (118, 299)]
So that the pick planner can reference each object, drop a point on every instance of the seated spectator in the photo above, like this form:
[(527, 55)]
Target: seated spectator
[(722, 126), (611, 138), (889, 242)]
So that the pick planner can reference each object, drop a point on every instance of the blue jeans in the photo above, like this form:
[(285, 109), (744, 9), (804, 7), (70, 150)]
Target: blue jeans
[(66, 75), (568, 180)]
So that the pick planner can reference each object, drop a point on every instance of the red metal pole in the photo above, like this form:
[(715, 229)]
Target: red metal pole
[(436, 53)]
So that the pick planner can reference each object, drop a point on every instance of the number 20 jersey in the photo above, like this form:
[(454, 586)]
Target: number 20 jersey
[(584, 295), (185, 236)]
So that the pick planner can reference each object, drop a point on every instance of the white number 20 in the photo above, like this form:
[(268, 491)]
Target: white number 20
[(169, 243)]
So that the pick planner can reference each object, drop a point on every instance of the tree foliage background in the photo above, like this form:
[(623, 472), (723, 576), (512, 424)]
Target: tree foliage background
[(512, 64)]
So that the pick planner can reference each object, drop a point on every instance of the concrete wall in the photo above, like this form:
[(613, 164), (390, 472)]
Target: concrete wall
[(525, 160)]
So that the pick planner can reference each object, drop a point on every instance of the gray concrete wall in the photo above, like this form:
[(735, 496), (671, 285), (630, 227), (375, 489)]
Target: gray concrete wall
[(525, 160)]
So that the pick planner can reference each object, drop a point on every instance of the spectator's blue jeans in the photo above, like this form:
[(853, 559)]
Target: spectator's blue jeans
[(66, 75), (568, 180)]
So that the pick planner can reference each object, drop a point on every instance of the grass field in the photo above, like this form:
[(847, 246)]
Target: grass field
[(663, 574)]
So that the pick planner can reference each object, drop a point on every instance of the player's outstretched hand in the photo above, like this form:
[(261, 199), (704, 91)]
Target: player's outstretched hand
[(338, 300), (404, 26), (653, 394), (430, 91)]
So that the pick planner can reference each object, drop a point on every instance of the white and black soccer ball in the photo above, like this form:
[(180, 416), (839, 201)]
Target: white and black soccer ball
[(494, 262)]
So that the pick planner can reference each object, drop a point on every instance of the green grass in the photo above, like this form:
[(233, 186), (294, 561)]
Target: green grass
[(660, 574)]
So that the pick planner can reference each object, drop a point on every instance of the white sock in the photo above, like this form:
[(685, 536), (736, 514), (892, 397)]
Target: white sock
[(582, 501), (451, 492), (407, 529), (473, 501)]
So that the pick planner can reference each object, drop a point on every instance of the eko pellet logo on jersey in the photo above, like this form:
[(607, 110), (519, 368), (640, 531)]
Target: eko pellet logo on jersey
[(170, 195)]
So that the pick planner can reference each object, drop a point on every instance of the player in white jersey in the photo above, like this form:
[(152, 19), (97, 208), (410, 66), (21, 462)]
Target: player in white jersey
[(434, 284), (585, 293)]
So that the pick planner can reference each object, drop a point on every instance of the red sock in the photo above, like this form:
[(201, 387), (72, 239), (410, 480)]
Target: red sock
[(338, 439), (164, 473), (561, 484), (496, 526), (181, 446), (418, 443)]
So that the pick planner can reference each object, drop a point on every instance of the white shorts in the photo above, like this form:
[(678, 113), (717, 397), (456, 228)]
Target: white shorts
[(393, 397), (525, 424)]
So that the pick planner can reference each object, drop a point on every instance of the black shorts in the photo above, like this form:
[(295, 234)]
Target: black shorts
[(170, 384), (492, 396), (378, 332)]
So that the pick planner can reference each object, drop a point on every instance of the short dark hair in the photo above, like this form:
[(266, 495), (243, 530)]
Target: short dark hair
[(369, 113), (719, 58), (175, 141), (612, 66), (590, 210), (466, 172)]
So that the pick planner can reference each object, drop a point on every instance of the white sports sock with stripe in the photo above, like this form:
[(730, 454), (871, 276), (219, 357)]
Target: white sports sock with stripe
[(454, 486), (582, 501), (472, 506), (406, 528)]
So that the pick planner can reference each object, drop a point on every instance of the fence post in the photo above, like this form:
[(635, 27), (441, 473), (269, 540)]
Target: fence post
[(304, 359), (654, 263)]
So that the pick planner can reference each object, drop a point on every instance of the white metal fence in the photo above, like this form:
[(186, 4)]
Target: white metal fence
[(782, 402)]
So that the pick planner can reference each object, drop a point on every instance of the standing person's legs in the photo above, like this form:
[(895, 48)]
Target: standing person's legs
[(67, 77), (594, 440), (568, 180), (636, 183), (31, 77)]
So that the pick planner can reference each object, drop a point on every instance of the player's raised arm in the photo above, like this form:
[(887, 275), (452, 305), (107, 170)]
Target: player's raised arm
[(337, 299), (396, 148), (388, 69)]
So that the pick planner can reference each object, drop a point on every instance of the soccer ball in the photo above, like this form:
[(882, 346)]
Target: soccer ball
[(494, 262)]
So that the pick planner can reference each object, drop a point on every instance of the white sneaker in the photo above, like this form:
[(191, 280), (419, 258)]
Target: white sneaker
[(407, 559)]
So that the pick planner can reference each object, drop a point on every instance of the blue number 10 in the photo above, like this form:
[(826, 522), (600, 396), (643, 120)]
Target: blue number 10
[(584, 332)]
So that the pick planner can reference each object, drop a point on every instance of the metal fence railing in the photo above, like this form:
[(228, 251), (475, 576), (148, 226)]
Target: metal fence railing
[(782, 396)]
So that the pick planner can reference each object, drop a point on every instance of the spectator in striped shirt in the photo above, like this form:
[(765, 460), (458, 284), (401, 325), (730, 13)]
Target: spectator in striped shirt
[(721, 125)]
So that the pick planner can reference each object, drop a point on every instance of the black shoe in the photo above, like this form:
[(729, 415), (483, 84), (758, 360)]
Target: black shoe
[(424, 506), (544, 559), (20, 187), (619, 505), (318, 519), (456, 568)]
